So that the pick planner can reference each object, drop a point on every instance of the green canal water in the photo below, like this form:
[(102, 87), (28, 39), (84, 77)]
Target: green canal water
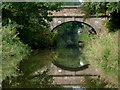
[(42, 58), (70, 57), (67, 54)]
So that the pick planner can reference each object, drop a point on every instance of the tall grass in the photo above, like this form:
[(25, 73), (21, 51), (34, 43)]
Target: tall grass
[(102, 52), (13, 50)]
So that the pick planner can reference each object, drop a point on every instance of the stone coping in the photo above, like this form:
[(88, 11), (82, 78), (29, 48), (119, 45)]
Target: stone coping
[(81, 15)]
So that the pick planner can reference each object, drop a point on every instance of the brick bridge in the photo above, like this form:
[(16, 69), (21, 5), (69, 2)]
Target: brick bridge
[(66, 77), (73, 13)]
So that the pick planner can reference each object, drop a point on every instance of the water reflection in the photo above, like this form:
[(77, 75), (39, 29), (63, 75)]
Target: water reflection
[(29, 72), (28, 78), (69, 57), (37, 60), (68, 51)]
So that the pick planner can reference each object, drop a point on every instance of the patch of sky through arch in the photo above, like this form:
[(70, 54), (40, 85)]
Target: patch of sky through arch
[(67, 51)]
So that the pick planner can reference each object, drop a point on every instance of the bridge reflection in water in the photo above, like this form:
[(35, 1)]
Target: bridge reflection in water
[(69, 67)]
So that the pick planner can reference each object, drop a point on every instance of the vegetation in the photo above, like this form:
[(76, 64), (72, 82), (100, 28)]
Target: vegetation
[(95, 83), (33, 17), (112, 9), (13, 50), (102, 52), (29, 73), (25, 26)]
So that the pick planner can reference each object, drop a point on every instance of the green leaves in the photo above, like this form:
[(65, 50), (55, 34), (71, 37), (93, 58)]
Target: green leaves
[(102, 7), (94, 7), (111, 9), (33, 17), (13, 50), (26, 10)]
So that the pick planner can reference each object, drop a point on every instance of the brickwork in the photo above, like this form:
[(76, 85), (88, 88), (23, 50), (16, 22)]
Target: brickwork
[(66, 77), (69, 78), (70, 13)]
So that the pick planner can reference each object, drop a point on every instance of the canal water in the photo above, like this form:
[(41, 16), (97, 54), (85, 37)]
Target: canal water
[(43, 58), (72, 58), (67, 54)]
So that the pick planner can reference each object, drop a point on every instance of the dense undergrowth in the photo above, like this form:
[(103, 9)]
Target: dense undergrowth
[(102, 52), (13, 50)]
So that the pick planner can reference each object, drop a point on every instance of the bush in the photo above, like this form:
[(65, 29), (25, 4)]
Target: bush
[(13, 50), (102, 52), (113, 23)]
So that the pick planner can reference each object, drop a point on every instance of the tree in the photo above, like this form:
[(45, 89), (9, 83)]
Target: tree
[(26, 13), (111, 9), (32, 18)]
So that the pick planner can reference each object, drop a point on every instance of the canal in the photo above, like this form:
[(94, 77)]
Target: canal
[(65, 53)]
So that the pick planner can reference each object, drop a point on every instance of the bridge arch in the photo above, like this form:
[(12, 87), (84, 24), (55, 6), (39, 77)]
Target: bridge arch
[(74, 21), (72, 13)]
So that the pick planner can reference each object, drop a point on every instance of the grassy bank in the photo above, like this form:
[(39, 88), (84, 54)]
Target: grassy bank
[(13, 50), (102, 52)]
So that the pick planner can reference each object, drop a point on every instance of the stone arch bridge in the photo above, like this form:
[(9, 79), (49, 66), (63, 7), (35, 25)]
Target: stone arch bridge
[(73, 13), (66, 77)]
